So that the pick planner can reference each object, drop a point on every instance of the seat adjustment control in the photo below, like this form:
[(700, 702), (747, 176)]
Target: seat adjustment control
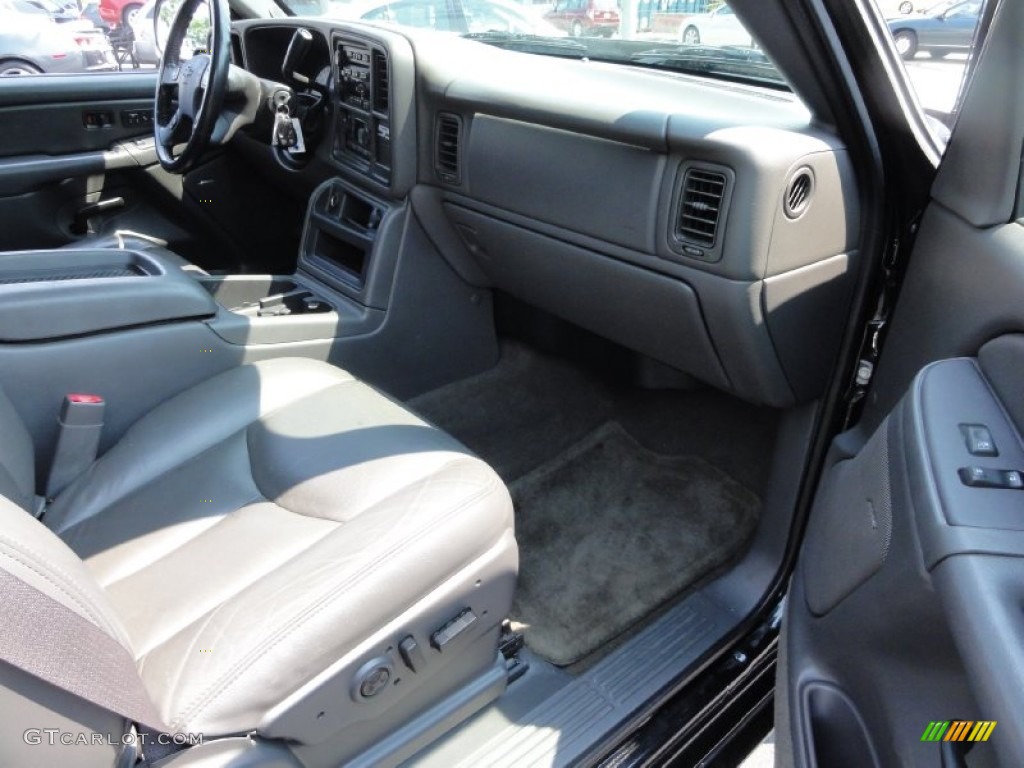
[(979, 440), (984, 477), (452, 629), (411, 653), (372, 678)]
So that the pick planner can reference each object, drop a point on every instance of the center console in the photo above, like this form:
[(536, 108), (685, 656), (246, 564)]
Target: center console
[(46, 295), (350, 242), (343, 283)]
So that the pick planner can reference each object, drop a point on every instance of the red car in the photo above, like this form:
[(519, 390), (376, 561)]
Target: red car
[(585, 17), (116, 12)]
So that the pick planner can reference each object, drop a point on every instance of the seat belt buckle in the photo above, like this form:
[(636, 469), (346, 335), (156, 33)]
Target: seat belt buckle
[(78, 439)]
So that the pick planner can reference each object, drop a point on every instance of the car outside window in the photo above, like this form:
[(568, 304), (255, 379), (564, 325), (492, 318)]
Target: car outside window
[(936, 43), (694, 36), (50, 36)]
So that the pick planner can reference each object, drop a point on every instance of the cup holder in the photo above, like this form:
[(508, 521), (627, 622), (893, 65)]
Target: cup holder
[(264, 296), (298, 301)]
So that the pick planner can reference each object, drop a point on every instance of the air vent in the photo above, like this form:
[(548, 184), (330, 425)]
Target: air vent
[(702, 200), (798, 193), (446, 158), (381, 82)]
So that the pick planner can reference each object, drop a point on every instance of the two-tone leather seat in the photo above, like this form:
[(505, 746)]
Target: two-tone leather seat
[(263, 544)]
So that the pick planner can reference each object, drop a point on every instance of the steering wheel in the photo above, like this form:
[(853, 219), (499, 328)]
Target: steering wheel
[(190, 93)]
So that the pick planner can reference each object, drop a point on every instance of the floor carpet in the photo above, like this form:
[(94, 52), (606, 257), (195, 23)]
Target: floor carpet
[(624, 496), (610, 530)]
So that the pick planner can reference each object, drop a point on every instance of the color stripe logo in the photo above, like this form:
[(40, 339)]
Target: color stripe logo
[(959, 730)]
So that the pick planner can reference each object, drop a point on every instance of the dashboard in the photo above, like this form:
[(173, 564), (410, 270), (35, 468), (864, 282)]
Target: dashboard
[(707, 224)]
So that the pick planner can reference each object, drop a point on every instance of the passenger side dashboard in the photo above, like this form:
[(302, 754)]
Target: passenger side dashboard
[(709, 225)]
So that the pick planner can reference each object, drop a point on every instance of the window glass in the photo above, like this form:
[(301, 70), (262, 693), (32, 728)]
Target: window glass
[(704, 37), (65, 37), (40, 36), (936, 42)]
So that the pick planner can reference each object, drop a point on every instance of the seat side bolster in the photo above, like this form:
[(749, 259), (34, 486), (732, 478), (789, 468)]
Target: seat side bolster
[(39, 558)]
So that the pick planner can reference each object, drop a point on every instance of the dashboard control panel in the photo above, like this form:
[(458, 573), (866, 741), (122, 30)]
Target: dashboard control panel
[(362, 136)]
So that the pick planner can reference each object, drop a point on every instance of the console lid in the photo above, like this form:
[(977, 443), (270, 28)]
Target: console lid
[(54, 294)]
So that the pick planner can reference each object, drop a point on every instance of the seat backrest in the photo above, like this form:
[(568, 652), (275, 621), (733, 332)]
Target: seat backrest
[(34, 554)]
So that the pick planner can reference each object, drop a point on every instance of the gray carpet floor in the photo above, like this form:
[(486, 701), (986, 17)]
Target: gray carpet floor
[(610, 530), (625, 498)]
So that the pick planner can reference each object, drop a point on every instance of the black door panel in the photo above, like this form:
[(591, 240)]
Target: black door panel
[(77, 160), (53, 115)]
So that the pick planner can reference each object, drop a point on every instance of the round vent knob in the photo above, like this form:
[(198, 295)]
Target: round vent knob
[(798, 193)]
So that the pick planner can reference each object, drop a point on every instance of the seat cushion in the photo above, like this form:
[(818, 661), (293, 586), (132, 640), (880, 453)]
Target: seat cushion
[(133, 241), (252, 530)]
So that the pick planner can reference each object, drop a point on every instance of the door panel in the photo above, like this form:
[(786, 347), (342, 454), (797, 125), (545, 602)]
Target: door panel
[(77, 158), (63, 148), (905, 605), (48, 115), (904, 614)]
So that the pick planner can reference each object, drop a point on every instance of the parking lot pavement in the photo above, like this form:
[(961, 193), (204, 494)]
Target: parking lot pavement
[(937, 81)]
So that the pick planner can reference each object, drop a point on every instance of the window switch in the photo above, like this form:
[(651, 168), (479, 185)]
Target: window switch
[(983, 477), (979, 440)]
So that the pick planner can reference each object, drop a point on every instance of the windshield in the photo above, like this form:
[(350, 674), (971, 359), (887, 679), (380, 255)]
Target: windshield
[(690, 36)]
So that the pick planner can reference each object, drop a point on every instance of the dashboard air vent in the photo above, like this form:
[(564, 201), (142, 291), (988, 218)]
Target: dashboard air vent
[(798, 193), (381, 82), (702, 200), (446, 157)]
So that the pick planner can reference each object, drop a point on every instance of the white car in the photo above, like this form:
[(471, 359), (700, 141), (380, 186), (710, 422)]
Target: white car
[(143, 31), (719, 27), (893, 8)]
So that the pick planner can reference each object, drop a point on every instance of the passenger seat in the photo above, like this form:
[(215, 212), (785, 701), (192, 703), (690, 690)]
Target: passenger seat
[(303, 571)]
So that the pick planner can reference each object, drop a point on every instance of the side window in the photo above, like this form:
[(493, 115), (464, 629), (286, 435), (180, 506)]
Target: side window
[(936, 41), (61, 37)]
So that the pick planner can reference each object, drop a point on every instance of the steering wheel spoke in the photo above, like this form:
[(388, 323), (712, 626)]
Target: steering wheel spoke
[(168, 135), (170, 73)]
